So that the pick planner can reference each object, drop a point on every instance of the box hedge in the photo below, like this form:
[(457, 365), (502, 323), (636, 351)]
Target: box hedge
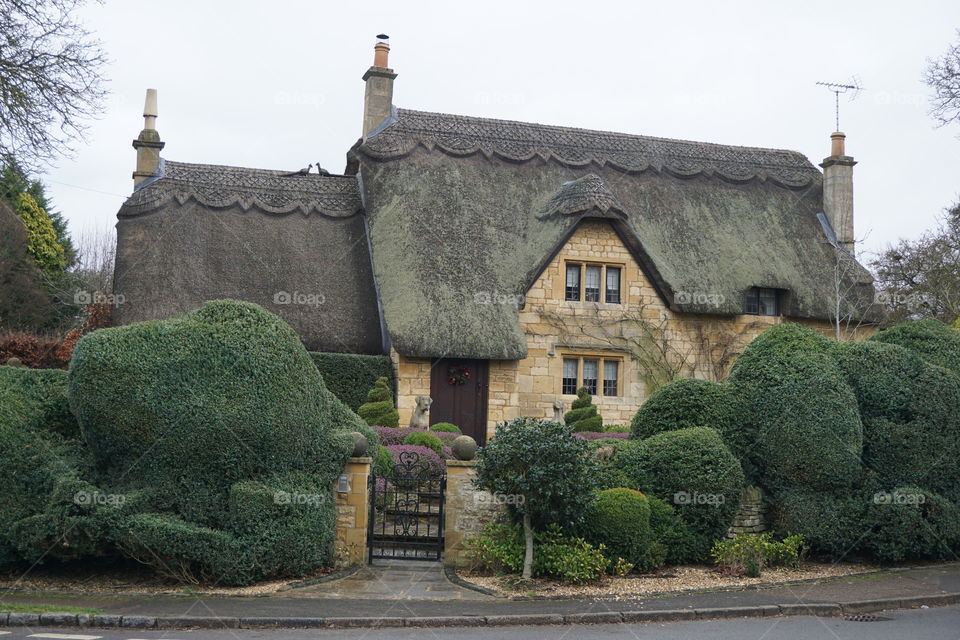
[(682, 404), (620, 519), (194, 409), (348, 375), (695, 471), (929, 338)]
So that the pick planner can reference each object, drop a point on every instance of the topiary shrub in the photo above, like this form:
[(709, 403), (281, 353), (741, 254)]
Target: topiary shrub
[(669, 532), (349, 375), (683, 404), (929, 338), (909, 523), (379, 408), (446, 427), (583, 415), (619, 519), (424, 439), (209, 413), (832, 524), (606, 453), (695, 471)]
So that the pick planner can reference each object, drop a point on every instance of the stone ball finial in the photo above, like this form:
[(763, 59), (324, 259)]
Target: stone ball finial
[(359, 444), (464, 448)]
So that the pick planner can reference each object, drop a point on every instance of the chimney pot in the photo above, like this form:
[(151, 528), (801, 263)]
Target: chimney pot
[(150, 110), (148, 144), (381, 52), (837, 139)]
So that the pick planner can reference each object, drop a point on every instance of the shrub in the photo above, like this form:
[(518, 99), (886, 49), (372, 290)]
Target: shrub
[(910, 523), (583, 415), (436, 464), (541, 461), (446, 427), (882, 377), (209, 411), (670, 535), (695, 471), (601, 435), (348, 374), (749, 554), (683, 404), (832, 524), (929, 338), (379, 409), (619, 519), (500, 549), (423, 439), (605, 452)]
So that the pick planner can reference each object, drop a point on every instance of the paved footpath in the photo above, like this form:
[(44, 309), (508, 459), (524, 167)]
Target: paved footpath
[(909, 588)]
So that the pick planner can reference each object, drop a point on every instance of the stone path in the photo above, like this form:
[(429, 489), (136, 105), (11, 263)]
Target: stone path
[(392, 580)]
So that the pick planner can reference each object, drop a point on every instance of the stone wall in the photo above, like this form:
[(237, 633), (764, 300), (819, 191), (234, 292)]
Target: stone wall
[(466, 511), (752, 516), (353, 512)]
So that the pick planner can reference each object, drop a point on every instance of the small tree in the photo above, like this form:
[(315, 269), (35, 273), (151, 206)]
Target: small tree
[(379, 409), (583, 416), (544, 469)]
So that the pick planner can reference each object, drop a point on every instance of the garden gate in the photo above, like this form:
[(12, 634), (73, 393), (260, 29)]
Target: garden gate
[(406, 509)]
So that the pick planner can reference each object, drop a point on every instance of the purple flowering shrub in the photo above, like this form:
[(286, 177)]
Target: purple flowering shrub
[(395, 435), (428, 455), (596, 435)]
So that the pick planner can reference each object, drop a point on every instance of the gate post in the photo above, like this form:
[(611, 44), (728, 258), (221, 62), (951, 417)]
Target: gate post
[(353, 510), (467, 511)]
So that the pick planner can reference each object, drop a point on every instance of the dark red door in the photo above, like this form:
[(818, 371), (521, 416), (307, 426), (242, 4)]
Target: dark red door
[(459, 391)]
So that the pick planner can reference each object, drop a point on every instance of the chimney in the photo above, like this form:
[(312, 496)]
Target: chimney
[(148, 143), (838, 190), (378, 97)]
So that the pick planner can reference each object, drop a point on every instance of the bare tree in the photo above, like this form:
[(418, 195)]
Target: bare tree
[(50, 79), (96, 253), (943, 76)]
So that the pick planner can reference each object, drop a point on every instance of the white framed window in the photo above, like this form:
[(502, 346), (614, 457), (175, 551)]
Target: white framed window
[(591, 282), (599, 374)]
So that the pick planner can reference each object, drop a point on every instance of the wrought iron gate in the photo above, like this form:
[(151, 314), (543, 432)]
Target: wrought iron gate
[(406, 510)]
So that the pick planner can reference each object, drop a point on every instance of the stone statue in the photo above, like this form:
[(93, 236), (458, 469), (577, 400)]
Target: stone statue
[(558, 411), (421, 415)]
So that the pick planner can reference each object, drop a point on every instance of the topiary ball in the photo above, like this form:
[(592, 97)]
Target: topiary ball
[(445, 427), (424, 439), (683, 404), (464, 448), (620, 520)]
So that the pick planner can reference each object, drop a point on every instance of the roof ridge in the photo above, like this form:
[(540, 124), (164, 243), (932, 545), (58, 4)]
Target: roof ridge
[(599, 132), (228, 167)]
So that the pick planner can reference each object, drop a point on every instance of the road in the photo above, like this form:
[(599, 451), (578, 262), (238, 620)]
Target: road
[(916, 624)]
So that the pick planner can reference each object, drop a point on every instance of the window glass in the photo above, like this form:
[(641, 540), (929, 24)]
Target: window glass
[(590, 376), (613, 285), (573, 282), (610, 370), (569, 376), (767, 302), (591, 291), (750, 304)]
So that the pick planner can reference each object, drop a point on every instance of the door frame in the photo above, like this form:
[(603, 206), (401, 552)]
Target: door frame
[(482, 369)]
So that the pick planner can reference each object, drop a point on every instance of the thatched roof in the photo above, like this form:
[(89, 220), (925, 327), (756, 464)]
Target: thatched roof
[(466, 212), (293, 244)]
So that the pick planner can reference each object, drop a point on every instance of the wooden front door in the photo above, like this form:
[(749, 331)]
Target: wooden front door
[(459, 391)]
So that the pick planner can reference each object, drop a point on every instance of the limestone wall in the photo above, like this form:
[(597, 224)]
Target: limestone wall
[(752, 515), (353, 512), (466, 511)]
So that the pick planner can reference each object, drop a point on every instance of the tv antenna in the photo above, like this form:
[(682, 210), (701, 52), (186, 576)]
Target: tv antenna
[(853, 89)]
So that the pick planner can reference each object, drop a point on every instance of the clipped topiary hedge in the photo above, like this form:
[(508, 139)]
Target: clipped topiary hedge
[(446, 427), (683, 404), (349, 375), (424, 439), (213, 414), (693, 470), (583, 414), (620, 519), (930, 339)]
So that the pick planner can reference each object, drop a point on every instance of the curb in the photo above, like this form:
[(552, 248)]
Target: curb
[(592, 617), (452, 576)]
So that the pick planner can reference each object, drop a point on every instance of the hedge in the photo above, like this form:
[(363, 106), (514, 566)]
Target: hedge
[(195, 408), (683, 404), (929, 338), (349, 375), (832, 524), (695, 471), (583, 414)]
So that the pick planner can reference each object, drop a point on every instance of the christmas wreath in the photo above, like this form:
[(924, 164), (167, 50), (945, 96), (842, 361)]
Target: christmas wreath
[(458, 375)]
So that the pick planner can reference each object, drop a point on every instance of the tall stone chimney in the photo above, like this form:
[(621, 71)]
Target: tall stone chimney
[(378, 97), (148, 143), (838, 190)]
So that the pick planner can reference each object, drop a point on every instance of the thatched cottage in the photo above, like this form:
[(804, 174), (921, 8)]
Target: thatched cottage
[(502, 265)]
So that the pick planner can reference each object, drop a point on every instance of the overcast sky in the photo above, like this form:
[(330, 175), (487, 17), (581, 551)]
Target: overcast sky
[(277, 84)]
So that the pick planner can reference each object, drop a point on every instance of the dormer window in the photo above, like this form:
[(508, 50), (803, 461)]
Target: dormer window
[(762, 302), (591, 282)]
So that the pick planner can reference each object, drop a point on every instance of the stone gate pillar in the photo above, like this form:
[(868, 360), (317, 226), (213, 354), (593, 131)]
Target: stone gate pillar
[(353, 511)]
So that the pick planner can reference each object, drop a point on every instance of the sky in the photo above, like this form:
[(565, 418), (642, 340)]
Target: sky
[(277, 85)]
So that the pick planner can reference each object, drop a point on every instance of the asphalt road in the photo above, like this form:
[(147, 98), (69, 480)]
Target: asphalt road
[(917, 624)]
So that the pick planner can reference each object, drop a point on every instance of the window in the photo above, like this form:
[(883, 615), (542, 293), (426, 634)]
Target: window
[(570, 368), (610, 370), (762, 302), (597, 279), (589, 369), (573, 282), (590, 376), (612, 293)]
